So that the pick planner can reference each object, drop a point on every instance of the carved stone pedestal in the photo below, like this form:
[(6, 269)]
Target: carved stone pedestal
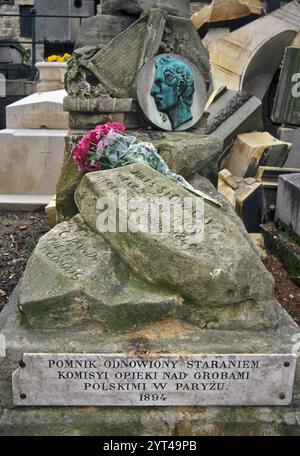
[(159, 339)]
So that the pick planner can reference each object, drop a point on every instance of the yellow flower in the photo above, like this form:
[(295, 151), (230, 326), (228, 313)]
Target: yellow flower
[(59, 58)]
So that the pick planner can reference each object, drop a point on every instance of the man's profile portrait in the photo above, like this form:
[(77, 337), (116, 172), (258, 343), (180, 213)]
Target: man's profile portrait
[(173, 89)]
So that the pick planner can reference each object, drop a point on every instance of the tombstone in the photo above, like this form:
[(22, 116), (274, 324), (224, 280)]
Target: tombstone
[(292, 136), (40, 110), (287, 102), (288, 201), (31, 162), (32, 150)]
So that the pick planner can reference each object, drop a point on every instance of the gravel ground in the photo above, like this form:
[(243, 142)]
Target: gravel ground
[(19, 234)]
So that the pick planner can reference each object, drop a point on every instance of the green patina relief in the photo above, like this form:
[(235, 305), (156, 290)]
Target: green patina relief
[(173, 89)]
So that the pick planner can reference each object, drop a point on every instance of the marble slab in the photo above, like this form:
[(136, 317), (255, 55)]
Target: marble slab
[(169, 380), (40, 110)]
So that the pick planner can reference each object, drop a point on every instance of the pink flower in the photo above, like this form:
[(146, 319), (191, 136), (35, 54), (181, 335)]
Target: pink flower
[(88, 144)]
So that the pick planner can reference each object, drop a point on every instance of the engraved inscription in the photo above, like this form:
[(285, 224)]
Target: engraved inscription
[(124, 380), (62, 252), (133, 181)]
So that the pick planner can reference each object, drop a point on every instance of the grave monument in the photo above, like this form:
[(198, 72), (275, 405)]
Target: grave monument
[(138, 332)]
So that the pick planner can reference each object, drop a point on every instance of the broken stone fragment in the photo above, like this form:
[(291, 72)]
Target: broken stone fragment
[(246, 197), (216, 278), (239, 61), (223, 10), (231, 113), (187, 153), (255, 149), (75, 279)]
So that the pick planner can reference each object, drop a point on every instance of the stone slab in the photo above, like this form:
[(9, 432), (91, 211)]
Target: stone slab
[(99, 105), (287, 101), (31, 161), (88, 121), (74, 277), (291, 135), (153, 381), (288, 201), (251, 150), (162, 338), (23, 202), (216, 273), (187, 153), (233, 113), (40, 110)]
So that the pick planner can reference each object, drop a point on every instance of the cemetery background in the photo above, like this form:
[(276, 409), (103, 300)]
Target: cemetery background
[(15, 234)]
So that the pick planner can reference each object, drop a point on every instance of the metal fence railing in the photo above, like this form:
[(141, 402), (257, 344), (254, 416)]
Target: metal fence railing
[(33, 41)]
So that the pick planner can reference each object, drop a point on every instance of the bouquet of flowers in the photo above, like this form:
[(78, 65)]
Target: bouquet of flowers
[(107, 147)]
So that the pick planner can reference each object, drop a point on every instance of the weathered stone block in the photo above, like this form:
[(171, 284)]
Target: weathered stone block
[(219, 280), (31, 161), (255, 149), (83, 120), (168, 337), (231, 113), (288, 201), (75, 278), (224, 10), (188, 153)]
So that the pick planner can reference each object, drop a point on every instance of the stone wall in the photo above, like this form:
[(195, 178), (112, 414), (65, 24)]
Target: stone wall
[(9, 26)]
